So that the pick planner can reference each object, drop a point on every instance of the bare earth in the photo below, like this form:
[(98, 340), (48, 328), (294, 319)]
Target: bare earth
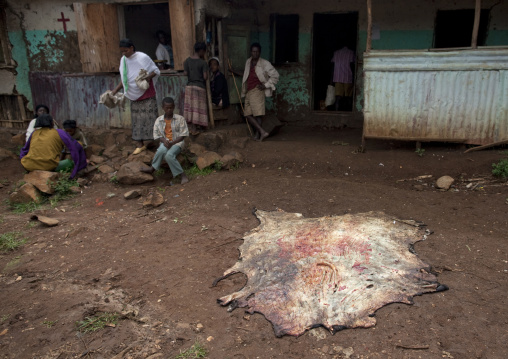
[(156, 266)]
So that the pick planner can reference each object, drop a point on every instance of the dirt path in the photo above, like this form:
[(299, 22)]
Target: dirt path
[(156, 267)]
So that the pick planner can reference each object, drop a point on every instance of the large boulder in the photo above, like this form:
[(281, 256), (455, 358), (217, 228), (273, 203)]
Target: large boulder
[(145, 157), (207, 159), (45, 181), (212, 141), (130, 173), (196, 149), (25, 194)]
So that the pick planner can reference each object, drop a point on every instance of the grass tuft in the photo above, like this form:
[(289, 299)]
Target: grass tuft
[(194, 352), (500, 169), (11, 240), (97, 322), (194, 171), (25, 207)]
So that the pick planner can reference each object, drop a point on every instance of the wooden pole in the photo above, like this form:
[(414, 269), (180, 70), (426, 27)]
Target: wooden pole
[(219, 44), (369, 26), (239, 96), (476, 26), (208, 89)]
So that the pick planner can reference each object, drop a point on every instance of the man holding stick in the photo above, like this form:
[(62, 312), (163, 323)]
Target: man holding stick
[(259, 80)]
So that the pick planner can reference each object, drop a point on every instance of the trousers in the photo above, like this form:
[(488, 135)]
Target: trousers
[(169, 155)]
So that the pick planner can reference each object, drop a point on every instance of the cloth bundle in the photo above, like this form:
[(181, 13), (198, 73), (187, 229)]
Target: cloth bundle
[(111, 101), (330, 95), (140, 80)]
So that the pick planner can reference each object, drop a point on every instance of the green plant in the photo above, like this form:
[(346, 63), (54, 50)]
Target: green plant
[(236, 166), (31, 224), (500, 169), (97, 322), (25, 207), (18, 150), (113, 179), (13, 263), (49, 323), (11, 240), (4, 317), (194, 171), (63, 189), (217, 165), (194, 352), (420, 152)]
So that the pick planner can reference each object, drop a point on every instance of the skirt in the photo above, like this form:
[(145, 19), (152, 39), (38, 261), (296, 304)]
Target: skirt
[(143, 114), (195, 106)]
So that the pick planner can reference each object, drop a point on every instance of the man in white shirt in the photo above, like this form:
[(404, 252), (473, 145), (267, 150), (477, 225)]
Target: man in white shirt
[(164, 50)]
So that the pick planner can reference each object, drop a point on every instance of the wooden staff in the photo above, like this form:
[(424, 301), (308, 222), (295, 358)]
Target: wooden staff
[(208, 90), (476, 26), (239, 97), (369, 26)]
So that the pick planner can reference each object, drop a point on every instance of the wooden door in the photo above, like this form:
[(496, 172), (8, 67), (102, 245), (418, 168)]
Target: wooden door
[(98, 37), (181, 15)]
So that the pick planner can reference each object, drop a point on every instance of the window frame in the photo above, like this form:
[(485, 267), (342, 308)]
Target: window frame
[(273, 39)]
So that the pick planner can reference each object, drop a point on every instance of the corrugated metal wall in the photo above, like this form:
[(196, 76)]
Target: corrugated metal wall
[(455, 96), (76, 97)]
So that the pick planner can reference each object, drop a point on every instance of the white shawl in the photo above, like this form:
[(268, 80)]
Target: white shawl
[(135, 63)]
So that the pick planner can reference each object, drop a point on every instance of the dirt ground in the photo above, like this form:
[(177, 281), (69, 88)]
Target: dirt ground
[(156, 267)]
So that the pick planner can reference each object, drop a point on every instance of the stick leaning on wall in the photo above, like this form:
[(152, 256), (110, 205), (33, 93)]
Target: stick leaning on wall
[(239, 97)]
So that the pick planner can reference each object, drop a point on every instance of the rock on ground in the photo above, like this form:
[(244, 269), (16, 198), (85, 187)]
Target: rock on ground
[(96, 149), (19, 139), (231, 159), (207, 159), (444, 182), (132, 194), (153, 200), (96, 159), (212, 141), (111, 151), (25, 194), (130, 173), (106, 169), (196, 149), (145, 157), (44, 180), (50, 222)]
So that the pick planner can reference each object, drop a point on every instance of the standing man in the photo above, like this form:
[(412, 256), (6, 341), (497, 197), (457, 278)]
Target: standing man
[(343, 74), (164, 50), (259, 80), (171, 130)]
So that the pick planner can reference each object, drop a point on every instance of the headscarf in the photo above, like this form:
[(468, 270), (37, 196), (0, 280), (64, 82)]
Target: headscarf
[(69, 124), (44, 121)]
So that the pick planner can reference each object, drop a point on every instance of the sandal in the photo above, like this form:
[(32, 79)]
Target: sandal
[(138, 150)]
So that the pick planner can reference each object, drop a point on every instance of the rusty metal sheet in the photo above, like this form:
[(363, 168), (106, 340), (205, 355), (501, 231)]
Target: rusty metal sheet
[(76, 96), (329, 271), (456, 96)]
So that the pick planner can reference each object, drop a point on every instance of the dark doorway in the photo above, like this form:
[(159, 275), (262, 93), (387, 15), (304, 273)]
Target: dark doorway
[(454, 28), (331, 32)]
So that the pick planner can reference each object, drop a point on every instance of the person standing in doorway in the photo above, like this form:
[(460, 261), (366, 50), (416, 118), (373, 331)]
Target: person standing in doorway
[(259, 80), (164, 50), (195, 103), (141, 92), (342, 76)]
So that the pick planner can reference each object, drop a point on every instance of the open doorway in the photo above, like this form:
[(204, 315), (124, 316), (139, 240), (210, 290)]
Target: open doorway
[(331, 33), (142, 22)]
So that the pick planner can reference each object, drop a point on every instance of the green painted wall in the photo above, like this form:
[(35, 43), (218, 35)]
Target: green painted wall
[(497, 38), (19, 54)]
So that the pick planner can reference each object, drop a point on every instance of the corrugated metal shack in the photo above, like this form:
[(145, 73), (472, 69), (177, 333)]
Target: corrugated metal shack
[(456, 96), (445, 95), (76, 96)]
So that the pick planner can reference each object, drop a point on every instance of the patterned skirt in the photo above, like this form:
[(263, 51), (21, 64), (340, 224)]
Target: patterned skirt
[(143, 114), (195, 106)]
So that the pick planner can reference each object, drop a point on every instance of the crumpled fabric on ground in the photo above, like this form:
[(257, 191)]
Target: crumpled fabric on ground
[(140, 79), (111, 101)]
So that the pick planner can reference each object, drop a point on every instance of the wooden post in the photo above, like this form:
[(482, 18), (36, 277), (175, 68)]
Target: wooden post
[(214, 33), (476, 26), (208, 89), (369, 26), (219, 44)]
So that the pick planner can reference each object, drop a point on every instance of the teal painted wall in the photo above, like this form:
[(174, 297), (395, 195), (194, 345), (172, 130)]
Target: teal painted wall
[(497, 38), (399, 40), (43, 50), (19, 54)]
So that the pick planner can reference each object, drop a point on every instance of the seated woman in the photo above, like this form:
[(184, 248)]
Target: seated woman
[(43, 148), (218, 84), (39, 110)]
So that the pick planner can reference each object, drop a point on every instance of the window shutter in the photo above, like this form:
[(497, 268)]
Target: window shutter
[(98, 37)]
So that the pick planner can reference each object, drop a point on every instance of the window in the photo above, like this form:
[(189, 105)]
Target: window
[(5, 58), (454, 28), (284, 30)]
